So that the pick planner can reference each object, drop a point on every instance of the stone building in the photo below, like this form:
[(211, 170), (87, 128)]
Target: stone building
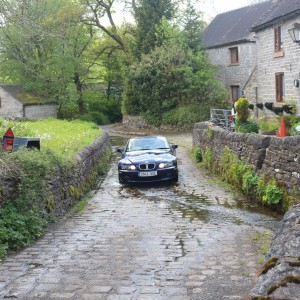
[(231, 45), (12, 106), (255, 54), (278, 57)]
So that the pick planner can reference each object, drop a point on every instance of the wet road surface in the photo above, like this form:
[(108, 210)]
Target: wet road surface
[(191, 240)]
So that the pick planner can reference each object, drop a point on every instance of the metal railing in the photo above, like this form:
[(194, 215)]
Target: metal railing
[(222, 118)]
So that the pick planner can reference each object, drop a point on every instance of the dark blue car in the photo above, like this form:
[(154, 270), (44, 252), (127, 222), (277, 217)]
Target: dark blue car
[(148, 159)]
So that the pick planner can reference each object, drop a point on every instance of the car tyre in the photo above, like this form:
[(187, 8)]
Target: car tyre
[(121, 181), (175, 179)]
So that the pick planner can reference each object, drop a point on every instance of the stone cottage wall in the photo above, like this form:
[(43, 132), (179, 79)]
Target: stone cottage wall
[(235, 74), (269, 63), (66, 186), (9, 106), (271, 155)]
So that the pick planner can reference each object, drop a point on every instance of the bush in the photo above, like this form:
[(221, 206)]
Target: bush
[(242, 110), (236, 172), (18, 228), (232, 169), (198, 154), (95, 117), (23, 218), (269, 125), (294, 131), (273, 194), (185, 116), (108, 107), (290, 121), (207, 158), (246, 127), (250, 182), (172, 86)]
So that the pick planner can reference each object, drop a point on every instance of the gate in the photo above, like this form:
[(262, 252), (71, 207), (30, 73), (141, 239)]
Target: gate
[(222, 118)]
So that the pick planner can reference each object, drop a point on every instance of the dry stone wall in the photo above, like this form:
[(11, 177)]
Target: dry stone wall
[(279, 278), (66, 186), (271, 155)]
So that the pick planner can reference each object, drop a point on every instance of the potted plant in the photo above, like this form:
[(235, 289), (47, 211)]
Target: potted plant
[(289, 108), (269, 105), (277, 110)]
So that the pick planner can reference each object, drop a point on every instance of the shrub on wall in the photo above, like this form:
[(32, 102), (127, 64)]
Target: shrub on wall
[(26, 212), (273, 194), (241, 175), (247, 127), (242, 110), (24, 218), (250, 182), (198, 154)]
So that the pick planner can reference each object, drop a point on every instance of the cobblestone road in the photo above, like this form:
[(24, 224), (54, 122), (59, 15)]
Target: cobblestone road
[(191, 240)]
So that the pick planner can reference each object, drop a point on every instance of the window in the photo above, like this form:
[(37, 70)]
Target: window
[(280, 91), (234, 55), (278, 38), (235, 92)]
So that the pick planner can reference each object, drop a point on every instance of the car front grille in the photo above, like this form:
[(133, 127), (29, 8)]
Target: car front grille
[(147, 166)]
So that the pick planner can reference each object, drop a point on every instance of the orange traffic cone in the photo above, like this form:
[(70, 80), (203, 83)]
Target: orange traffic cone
[(282, 129)]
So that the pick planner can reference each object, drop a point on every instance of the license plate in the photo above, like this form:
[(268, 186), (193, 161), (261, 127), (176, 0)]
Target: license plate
[(147, 174)]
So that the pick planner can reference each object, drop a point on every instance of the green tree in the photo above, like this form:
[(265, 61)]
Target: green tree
[(99, 12), (172, 86), (44, 46), (148, 14), (193, 26)]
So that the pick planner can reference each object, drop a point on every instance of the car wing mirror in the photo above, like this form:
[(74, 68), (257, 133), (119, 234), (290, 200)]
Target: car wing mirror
[(174, 147), (120, 150)]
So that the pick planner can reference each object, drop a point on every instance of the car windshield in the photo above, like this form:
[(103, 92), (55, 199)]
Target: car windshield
[(147, 143)]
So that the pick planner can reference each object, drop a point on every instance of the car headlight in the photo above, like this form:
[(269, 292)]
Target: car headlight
[(128, 167), (165, 165)]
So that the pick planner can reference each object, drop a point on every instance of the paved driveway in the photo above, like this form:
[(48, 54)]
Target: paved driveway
[(191, 240)]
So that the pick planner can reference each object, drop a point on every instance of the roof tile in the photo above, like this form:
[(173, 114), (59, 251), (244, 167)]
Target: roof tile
[(234, 26)]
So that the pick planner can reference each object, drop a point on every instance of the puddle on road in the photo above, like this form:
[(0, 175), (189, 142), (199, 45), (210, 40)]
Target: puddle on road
[(118, 141), (219, 214), (194, 207), (200, 208)]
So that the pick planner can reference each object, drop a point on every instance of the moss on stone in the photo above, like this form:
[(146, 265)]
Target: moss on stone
[(50, 204), (271, 263), (294, 263), (289, 279)]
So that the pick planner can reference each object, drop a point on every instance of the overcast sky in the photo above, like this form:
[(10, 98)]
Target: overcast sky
[(210, 8), (213, 7)]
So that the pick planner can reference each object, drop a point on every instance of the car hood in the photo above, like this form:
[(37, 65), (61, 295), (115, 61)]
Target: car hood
[(137, 157)]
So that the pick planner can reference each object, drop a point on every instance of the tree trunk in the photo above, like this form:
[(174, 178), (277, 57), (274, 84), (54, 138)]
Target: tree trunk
[(78, 84)]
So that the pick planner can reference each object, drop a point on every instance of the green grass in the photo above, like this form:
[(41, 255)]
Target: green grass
[(60, 136), (25, 218)]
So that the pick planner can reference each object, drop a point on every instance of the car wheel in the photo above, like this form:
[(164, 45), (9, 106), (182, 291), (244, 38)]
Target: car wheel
[(121, 180), (175, 179)]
